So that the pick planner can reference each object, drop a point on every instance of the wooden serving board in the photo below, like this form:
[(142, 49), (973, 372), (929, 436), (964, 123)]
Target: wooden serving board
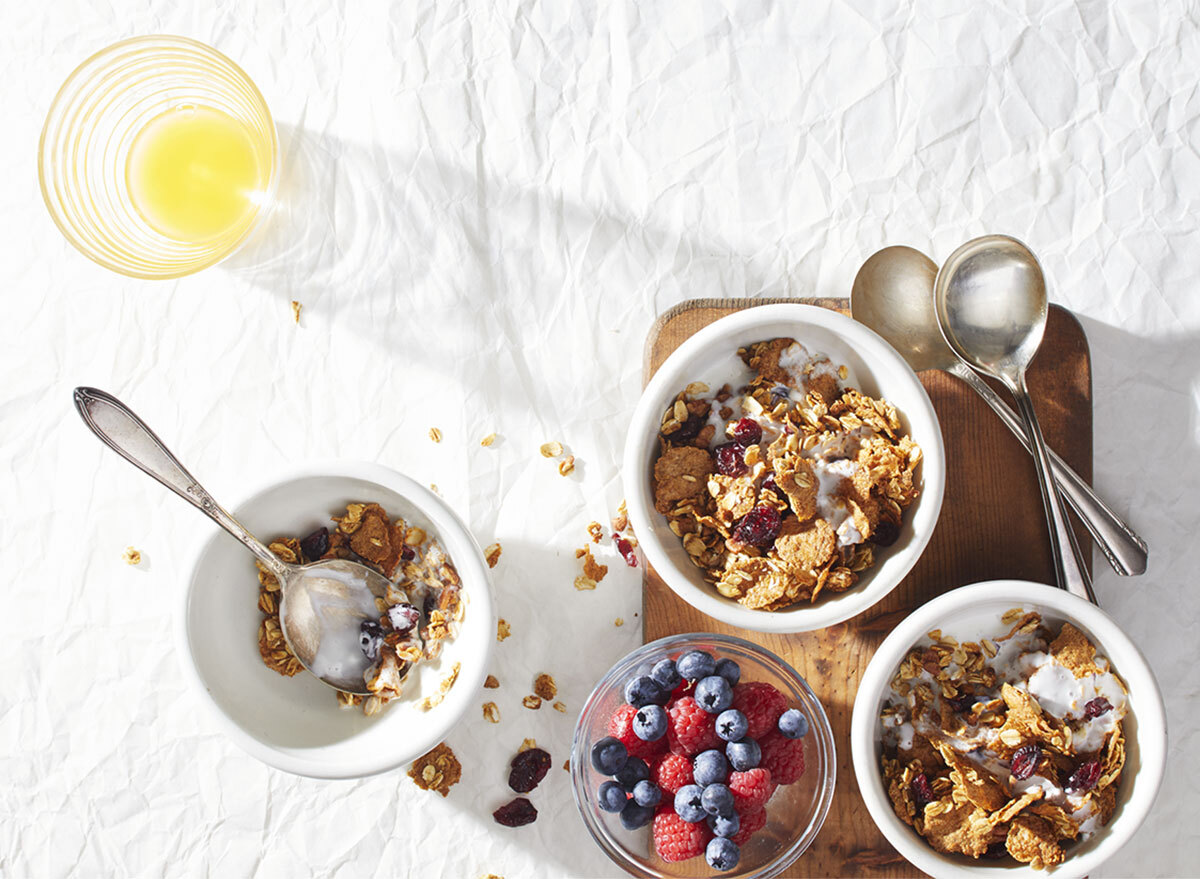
[(991, 526)]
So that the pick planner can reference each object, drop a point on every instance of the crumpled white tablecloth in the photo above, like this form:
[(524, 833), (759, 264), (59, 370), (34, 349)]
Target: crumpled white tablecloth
[(486, 204)]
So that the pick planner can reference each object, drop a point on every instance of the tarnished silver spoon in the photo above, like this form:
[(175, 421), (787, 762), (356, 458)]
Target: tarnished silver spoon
[(991, 304), (893, 295), (323, 603)]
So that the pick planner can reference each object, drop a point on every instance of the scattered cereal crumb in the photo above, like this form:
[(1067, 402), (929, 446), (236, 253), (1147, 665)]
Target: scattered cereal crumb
[(560, 707), (619, 621), (551, 450), (621, 521), (532, 702), (492, 554), (491, 712), (545, 686), (567, 765), (584, 584), (595, 531), (566, 465), (132, 556), (527, 745), (488, 440), (438, 770), (491, 683), (592, 570), (296, 306), (435, 434), (433, 487), (502, 630)]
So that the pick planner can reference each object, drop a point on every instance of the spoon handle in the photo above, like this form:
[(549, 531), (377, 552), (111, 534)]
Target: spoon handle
[(1069, 569), (130, 437), (1123, 548)]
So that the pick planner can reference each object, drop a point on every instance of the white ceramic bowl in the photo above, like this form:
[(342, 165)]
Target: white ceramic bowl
[(880, 372), (295, 723), (973, 612)]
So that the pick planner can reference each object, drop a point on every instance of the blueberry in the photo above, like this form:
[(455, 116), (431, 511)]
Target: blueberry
[(793, 724), (744, 754), (650, 723), (611, 797), (646, 793), (695, 664), (732, 725), (609, 755), (634, 770), (688, 805), (725, 825), (709, 767), (370, 639), (729, 670), (717, 799), (634, 816), (722, 853), (643, 690), (666, 675), (714, 694)]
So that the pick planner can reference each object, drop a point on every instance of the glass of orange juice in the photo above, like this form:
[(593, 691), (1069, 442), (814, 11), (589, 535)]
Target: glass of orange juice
[(158, 157)]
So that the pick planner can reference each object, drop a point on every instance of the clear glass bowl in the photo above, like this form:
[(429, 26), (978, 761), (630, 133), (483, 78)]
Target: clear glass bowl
[(794, 814), (89, 132)]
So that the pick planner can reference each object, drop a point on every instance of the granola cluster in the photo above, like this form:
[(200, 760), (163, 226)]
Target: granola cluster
[(1005, 748), (780, 485), (422, 577)]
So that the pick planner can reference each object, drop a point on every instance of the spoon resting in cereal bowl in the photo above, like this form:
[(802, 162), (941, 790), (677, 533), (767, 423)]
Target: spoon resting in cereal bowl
[(784, 469), (1008, 728)]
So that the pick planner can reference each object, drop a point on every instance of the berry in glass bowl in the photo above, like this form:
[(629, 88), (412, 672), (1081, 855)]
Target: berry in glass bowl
[(707, 802)]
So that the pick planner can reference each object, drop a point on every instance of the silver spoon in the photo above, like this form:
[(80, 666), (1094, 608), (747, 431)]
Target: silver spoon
[(991, 304), (323, 604), (893, 295)]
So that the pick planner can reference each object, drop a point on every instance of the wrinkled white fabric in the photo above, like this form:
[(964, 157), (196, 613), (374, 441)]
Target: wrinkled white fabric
[(486, 202)]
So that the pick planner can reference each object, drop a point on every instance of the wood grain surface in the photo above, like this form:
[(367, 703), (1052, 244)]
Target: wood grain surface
[(991, 526)]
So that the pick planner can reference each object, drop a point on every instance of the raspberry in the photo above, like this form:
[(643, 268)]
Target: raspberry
[(751, 822), (671, 772), (782, 757), (691, 729), (620, 727), (759, 527), (762, 704), (676, 839), (751, 789)]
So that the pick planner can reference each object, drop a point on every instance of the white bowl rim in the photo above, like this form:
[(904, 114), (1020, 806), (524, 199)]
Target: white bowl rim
[(1132, 666), (644, 423), (472, 569)]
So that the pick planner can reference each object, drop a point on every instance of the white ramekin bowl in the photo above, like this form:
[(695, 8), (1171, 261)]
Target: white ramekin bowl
[(973, 612), (881, 372), (295, 724)]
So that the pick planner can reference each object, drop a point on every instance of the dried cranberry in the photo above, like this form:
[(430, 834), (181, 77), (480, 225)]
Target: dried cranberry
[(1096, 708), (962, 703), (747, 431), (921, 792), (768, 484), (315, 545), (996, 851), (1084, 778), (407, 553), (758, 527), (1025, 761), (731, 459), (689, 429), (885, 533), (516, 814), (403, 617), (528, 769), (625, 548)]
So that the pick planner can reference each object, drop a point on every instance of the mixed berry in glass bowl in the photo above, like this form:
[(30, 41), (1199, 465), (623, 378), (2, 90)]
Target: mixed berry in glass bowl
[(703, 755)]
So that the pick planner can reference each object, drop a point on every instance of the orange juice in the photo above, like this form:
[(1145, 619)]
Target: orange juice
[(195, 174)]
